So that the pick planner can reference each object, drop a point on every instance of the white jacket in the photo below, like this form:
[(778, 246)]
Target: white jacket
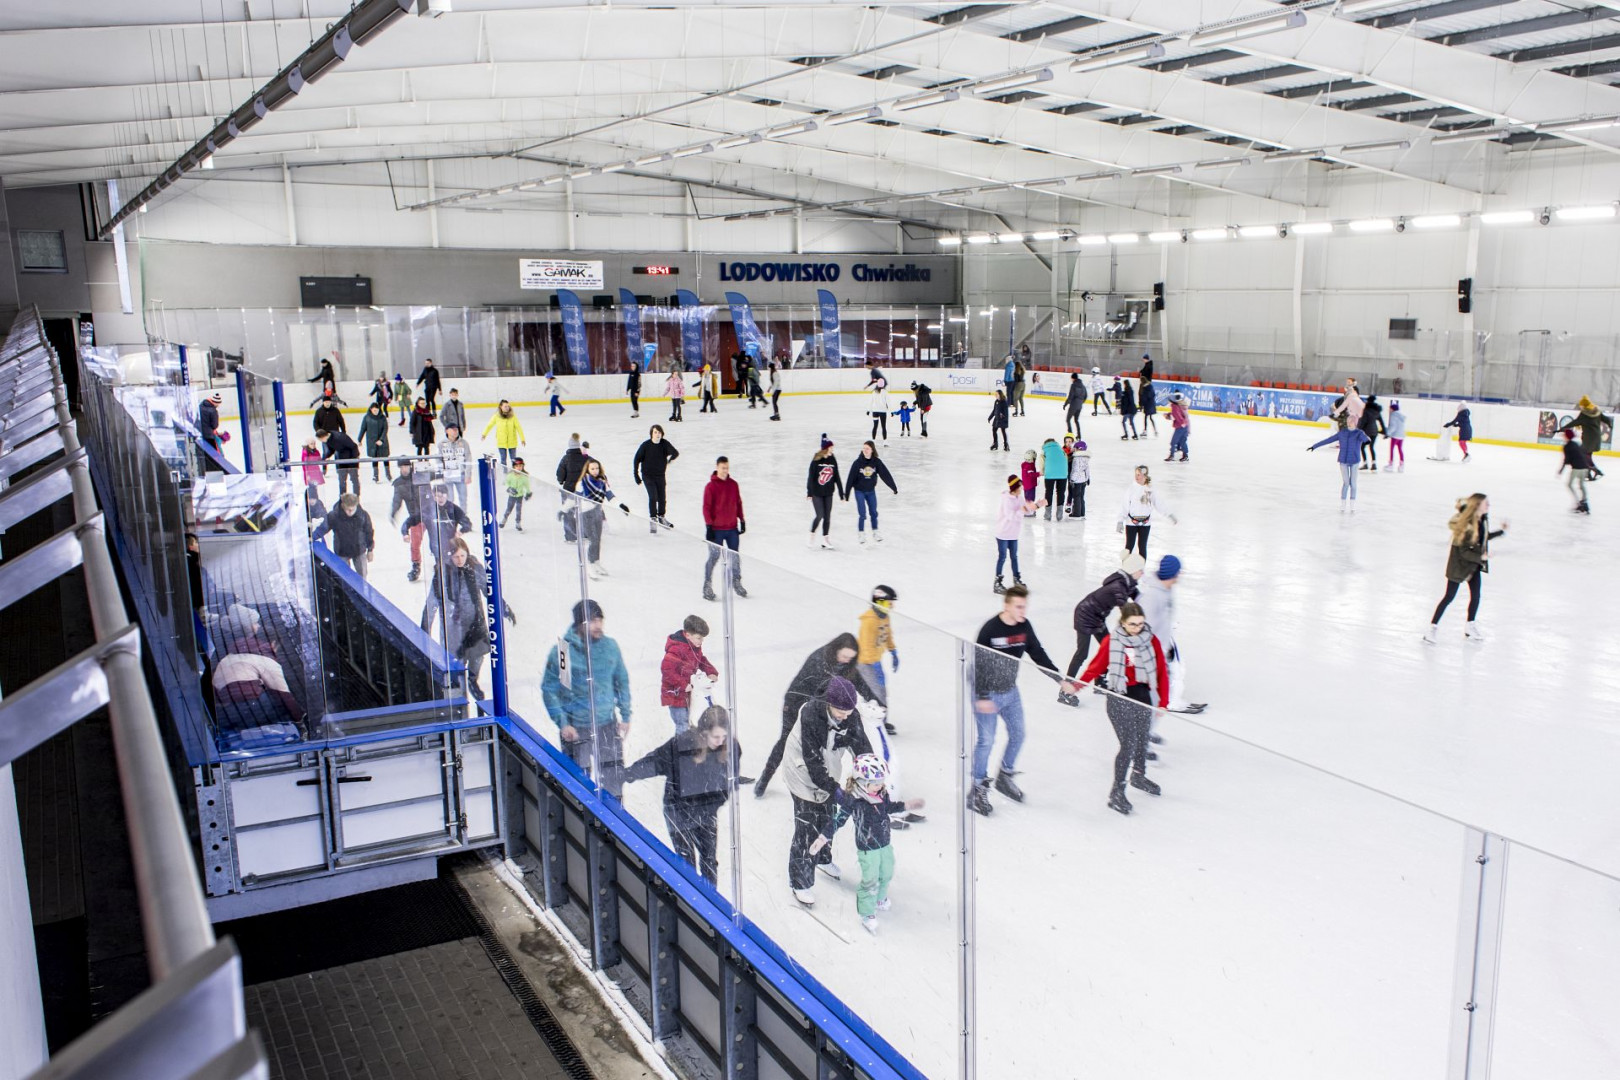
[(1080, 467), (879, 401), (1100, 384), (1140, 504), (1395, 425), (1159, 605)]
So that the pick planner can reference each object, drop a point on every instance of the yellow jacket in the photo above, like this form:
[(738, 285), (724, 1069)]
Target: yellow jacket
[(876, 636), (508, 431)]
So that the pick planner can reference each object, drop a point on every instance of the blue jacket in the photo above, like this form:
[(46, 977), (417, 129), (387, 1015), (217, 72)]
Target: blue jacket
[(1007, 372), (1054, 462), (1464, 423), (568, 706), (1350, 441)]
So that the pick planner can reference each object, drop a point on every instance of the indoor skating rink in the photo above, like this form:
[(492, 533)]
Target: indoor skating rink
[(1291, 905)]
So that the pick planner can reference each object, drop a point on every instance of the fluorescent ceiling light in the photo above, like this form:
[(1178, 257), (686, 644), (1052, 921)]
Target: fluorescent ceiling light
[(1373, 147), (578, 175), (978, 238), (1157, 170), (1365, 7), (957, 319), (736, 141), (1437, 221), (1295, 155), (1056, 181), (950, 241), (791, 129), (1368, 225), (936, 326), (1585, 213), (1164, 237), (616, 166), (1209, 234), (1010, 238), (1312, 228), (1258, 232), (143, 208), (936, 97), (1092, 239), (1292, 20), (559, 178), (1471, 135), (1508, 217), (650, 159), (1047, 234), (1223, 163), (1134, 54), (691, 151), (1012, 82), (1591, 123), (208, 161), (854, 116), (1123, 238)]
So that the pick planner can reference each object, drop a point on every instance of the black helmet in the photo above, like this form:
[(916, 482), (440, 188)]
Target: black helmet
[(884, 594)]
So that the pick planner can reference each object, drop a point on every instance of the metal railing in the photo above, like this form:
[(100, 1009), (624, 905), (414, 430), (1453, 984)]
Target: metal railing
[(190, 1022)]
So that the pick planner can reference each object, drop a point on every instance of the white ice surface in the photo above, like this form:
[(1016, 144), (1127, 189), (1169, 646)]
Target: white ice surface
[(1260, 919)]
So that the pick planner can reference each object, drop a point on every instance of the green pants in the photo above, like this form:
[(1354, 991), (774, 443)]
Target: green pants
[(877, 870)]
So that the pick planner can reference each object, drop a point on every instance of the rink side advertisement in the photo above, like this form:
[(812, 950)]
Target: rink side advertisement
[(1207, 397), (1550, 427)]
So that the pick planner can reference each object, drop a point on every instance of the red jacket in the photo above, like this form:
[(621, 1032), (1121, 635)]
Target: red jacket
[(722, 503), (682, 659), (1099, 666)]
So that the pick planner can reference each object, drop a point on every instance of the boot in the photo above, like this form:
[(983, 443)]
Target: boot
[(998, 587), (1017, 580), (1172, 456), (736, 587), (416, 572), (1048, 514), (1401, 467), (1474, 633), (1374, 467), (1005, 785), (877, 538), (652, 525), (1118, 801), (1431, 635), (811, 538), (708, 591), (861, 537), (1066, 698), (1140, 781), (827, 543), (979, 799)]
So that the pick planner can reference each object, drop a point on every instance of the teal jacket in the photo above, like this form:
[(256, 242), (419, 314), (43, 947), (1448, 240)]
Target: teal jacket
[(1054, 463), (568, 706)]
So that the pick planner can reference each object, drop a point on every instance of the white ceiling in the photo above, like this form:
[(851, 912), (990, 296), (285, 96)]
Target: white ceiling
[(499, 92)]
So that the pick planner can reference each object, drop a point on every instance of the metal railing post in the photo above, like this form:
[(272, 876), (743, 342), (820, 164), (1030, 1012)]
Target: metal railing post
[(1479, 955), (966, 974), (242, 415)]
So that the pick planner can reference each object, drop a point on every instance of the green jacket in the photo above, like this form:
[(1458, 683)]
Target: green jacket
[(1590, 425), (569, 706), (518, 484), (1467, 557)]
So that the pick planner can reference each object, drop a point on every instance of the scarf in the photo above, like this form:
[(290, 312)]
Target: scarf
[(1140, 655)]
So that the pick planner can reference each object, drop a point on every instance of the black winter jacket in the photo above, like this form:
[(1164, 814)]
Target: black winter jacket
[(569, 468), (340, 447), (443, 522), (352, 534), (409, 495), (691, 784), (429, 381), (818, 670), (998, 413), (924, 396), (1091, 613), (824, 480), (864, 474), (329, 418)]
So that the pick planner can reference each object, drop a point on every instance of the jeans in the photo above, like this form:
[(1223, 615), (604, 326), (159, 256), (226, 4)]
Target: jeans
[(348, 476), (591, 523), (682, 717), (865, 503), (1071, 419), (1010, 707), (1347, 478), (507, 453), (873, 673), (1005, 548), (1178, 442), (695, 836), (556, 406), (723, 538), (609, 754), (357, 563), (514, 505), (458, 492)]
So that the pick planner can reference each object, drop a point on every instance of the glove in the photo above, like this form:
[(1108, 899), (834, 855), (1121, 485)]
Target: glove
[(742, 527), (1310, 449), (894, 659), (708, 533)]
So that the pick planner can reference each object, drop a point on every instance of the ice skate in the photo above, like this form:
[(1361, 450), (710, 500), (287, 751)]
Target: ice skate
[(1140, 781), (831, 869), (979, 798), (601, 571), (1401, 467), (889, 728), (761, 787), (1473, 633), (807, 897), (708, 591), (1017, 580), (1193, 708), (1466, 457), (415, 572), (1005, 785), (810, 541), (877, 537), (883, 904), (1431, 635), (1118, 801), (1363, 466), (914, 816), (1066, 698), (870, 925), (898, 822), (826, 542), (736, 587), (860, 537), (652, 525), (1172, 457), (998, 587), (520, 526), (1374, 467)]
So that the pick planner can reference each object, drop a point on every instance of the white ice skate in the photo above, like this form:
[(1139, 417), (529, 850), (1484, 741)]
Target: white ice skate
[(883, 904), (826, 542), (597, 572), (810, 541), (861, 536), (807, 897), (831, 870), (870, 925), (876, 536), (1473, 633), (1431, 635)]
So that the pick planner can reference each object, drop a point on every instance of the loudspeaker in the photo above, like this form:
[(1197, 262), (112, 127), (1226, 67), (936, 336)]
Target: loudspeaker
[(1465, 295), (1158, 296), (602, 301)]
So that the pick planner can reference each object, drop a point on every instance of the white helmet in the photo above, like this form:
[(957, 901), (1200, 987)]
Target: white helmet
[(1096, 371)]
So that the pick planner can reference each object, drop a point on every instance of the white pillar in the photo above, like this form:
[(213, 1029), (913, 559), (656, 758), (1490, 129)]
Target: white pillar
[(286, 191), (433, 211), (1299, 302), (568, 202), (1470, 269)]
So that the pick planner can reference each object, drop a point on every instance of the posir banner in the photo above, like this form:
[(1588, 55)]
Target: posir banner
[(573, 325), (559, 274), (831, 332), (630, 315), (691, 329)]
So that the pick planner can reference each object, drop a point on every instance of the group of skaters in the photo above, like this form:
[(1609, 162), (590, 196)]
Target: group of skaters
[(759, 381)]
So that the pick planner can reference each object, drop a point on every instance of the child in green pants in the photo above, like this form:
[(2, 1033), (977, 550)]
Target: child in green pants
[(518, 490), (865, 799)]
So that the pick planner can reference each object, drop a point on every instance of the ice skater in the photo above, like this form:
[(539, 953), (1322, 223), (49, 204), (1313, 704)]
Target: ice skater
[(1099, 388), (1079, 479), (1030, 474), (402, 397), (456, 597), (422, 434), (1464, 423), (709, 384), (1349, 441), (998, 421), (1011, 510), (429, 382), (904, 413), (1132, 659), (1157, 596), (875, 639), (861, 483), (878, 405), (776, 390), (1591, 422), (723, 524), (519, 490), (925, 403), (1578, 464), (1055, 473), (1091, 613), (1004, 640), (1349, 404), (1125, 398), (649, 468), (837, 658), (1136, 512), (1371, 425), (1180, 426), (554, 395), (1073, 402), (508, 431), (823, 482), (685, 672), (824, 732), (1150, 404), (1395, 431), (675, 387), (699, 766), (1469, 557), (593, 485), (592, 715), (632, 386), (373, 433), (865, 800)]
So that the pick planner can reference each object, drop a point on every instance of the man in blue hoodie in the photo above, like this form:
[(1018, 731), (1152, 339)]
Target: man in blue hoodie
[(590, 722)]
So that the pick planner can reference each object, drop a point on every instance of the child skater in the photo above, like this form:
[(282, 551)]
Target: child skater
[(998, 421), (519, 489), (1395, 431), (865, 800), (675, 387), (1470, 557), (699, 767), (1079, 479), (1578, 464), (1349, 440), (1030, 476), (554, 395), (1011, 510), (904, 413)]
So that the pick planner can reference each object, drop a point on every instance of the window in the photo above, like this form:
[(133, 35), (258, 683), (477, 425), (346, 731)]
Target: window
[(1403, 329), (43, 251)]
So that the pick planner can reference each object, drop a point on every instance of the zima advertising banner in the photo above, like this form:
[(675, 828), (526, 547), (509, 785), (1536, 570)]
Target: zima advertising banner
[(573, 326), (831, 344), (559, 274)]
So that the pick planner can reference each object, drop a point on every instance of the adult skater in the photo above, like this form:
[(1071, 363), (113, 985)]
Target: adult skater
[(453, 412), (1133, 661), (878, 405), (824, 732), (553, 393), (422, 428), (864, 473), (328, 417), (1125, 398), (592, 715), (675, 387), (325, 375), (1091, 613), (1578, 464), (208, 423), (756, 396), (709, 384), (1395, 430), (1350, 404), (1055, 471), (1005, 639), (998, 420), (1157, 596), (649, 467), (414, 498), (723, 525), (508, 431), (1590, 421), (1350, 441), (1136, 512), (1148, 397), (336, 446), (381, 393), (458, 464), (593, 485), (571, 464), (1008, 370), (925, 402), (428, 382), (776, 390), (1079, 479), (683, 668), (1020, 374), (699, 766), (1146, 369), (373, 433), (823, 482), (1011, 510), (1372, 426), (402, 398), (441, 520), (353, 538), (457, 597), (1180, 426), (632, 386), (1099, 390), (875, 639), (1470, 556), (837, 659), (1464, 423), (1073, 402)]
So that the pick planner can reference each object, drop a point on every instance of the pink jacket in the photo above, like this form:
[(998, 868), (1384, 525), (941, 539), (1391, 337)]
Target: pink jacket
[(1029, 476), (1178, 414), (1010, 516), (674, 387), (312, 473)]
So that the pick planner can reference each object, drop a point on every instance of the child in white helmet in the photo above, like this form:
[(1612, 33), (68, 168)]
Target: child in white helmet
[(865, 798)]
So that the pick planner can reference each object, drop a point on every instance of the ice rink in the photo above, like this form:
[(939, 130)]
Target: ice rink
[(1260, 919)]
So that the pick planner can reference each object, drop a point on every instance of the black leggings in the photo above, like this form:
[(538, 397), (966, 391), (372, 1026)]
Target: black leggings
[(880, 420), (810, 820), (1056, 493), (776, 410), (635, 401), (774, 762), (1368, 451), (655, 495), (822, 504), (1132, 724), (1077, 497), (675, 407), (1082, 649), (1451, 594), (695, 836), (1136, 536), (1003, 432)]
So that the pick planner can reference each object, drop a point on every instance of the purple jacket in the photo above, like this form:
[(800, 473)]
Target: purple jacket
[(1350, 441)]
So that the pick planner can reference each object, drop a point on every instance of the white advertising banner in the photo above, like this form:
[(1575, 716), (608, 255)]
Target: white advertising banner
[(559, 274)]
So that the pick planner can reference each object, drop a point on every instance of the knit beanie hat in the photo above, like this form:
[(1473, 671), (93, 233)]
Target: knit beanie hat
[(1014, 483), (1133, 563), (826, 443), (840, 693), (1584, 403), (1169, 567), (215, 398)]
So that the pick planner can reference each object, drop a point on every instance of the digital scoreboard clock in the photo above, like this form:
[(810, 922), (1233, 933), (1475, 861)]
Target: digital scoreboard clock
[(657, 271)]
